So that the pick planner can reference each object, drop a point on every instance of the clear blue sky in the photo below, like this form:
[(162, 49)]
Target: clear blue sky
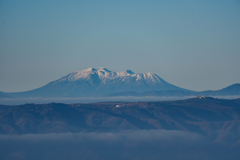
[(194, 44)]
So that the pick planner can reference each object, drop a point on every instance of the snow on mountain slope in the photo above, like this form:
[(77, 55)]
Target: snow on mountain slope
[(97, 82), (100, 82), (102, 76), (106, 76)]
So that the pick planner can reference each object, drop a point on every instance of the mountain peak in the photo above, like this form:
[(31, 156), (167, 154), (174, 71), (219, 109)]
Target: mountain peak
[(104, 75), (95, 69), (101, 81), (90, 69), (129, 72), (103, 69)]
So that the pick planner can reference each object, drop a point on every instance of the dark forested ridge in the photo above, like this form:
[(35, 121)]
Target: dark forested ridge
[(215, 121), (195, 114)]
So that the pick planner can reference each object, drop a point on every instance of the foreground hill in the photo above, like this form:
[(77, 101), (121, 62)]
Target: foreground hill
[(200, 115), (199, 128)]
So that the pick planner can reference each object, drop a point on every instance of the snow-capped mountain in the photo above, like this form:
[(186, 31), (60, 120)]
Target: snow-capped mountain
[(102, 77), (99, 82)]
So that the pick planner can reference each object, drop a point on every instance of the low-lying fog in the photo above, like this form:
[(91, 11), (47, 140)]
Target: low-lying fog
[(68, 100), (129, 144)]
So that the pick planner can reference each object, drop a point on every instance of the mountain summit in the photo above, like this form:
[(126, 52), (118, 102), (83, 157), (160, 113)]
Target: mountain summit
[(99, 82), (103, 76)]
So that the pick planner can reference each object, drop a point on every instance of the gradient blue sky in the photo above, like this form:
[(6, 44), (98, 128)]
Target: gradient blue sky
[(194, 44)]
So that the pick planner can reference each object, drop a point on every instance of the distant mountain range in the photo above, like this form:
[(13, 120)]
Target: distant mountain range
[(99, 82), (228, 91)]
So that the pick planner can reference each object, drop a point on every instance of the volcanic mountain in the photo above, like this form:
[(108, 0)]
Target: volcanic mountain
[(99, 82)]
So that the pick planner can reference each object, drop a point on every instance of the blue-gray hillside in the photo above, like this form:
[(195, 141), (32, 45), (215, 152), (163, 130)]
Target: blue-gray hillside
[(229, 91)]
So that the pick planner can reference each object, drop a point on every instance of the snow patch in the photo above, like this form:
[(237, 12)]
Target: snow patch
[(106, 76)]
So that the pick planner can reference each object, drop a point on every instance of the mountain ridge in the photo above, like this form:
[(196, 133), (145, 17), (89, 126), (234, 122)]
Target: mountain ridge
[(101, 82), (98, 82), (232, 90)]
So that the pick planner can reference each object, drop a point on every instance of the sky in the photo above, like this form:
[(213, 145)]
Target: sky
[(189, 43)]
